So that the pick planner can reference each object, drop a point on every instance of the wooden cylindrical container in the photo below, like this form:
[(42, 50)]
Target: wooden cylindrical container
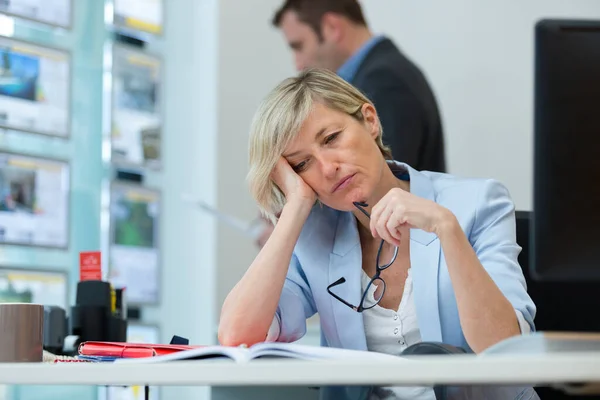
[(21, 332)]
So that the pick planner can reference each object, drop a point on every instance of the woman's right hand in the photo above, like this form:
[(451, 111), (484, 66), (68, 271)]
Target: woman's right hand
[(291, 184)]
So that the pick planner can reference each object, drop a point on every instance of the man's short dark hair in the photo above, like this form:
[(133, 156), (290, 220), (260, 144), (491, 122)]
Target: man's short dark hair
[(311, 12)]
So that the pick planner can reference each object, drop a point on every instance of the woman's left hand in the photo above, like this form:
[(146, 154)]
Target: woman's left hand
[(399, 208)]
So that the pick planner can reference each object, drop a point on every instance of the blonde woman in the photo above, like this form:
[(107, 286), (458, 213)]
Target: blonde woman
[(386, 255)]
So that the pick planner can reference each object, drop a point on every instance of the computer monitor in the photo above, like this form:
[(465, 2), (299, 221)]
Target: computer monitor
[(24, 285), (134, 256), (34, 201), (565, 233), (54, 13), (35, 88), (136, 126), (133, 16)]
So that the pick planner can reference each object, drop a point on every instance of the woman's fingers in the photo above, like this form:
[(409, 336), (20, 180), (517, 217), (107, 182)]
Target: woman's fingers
[(376, 215), (392, 228), (277, 174), (379, 224), (284, 176), (386, 220), (387, 228)]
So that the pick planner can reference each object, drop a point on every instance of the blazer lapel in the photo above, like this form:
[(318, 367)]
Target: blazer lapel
[(425, 264), (424, 260), (345, 261)]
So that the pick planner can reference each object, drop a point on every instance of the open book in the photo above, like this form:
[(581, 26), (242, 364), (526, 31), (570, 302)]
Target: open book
[(265, 350)]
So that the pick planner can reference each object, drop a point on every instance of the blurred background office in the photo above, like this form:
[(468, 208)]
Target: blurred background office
[(124, 127)]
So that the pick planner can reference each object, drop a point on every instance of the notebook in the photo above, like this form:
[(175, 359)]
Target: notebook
[(265, 350), (128, 350)]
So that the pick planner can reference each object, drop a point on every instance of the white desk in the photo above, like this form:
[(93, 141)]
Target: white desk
[(546, 369)]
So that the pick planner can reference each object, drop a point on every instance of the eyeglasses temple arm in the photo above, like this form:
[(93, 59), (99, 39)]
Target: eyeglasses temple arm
[(339, 282), (360, 205)]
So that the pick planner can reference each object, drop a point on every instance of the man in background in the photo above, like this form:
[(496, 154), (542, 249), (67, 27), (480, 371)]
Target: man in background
[(333, 34)]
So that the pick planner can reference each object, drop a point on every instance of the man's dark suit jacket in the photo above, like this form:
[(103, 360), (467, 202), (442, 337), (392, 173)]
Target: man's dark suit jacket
[(406, 106)]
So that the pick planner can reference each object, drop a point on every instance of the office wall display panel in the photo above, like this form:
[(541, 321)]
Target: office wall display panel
[(136, 127), (35, 84), (34, 202), (47, 287), (139, 15), (51, 12), (134, 256)]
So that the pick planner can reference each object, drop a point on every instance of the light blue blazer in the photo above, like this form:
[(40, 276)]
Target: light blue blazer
[(329, 248)]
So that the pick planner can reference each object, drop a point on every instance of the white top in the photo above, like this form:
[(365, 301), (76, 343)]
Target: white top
[(388, 331)]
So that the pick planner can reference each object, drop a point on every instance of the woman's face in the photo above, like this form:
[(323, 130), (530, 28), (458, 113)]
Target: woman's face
[(337, 156)]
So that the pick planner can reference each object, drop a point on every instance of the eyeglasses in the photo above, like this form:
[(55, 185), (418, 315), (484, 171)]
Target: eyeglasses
[(367, 302)]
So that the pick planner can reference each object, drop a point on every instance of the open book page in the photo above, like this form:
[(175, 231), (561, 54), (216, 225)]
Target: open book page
[(267, 350), (238, 354), (298, 351)]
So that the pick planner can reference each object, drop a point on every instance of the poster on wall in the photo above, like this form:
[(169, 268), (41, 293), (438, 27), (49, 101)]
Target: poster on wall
[(34, 201), (49, 288), (134, 252), (139, 15), (136, 108), (35, 89), (51, 12)]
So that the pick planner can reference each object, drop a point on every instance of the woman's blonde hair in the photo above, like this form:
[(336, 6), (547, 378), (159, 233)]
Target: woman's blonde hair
[(278, 121)]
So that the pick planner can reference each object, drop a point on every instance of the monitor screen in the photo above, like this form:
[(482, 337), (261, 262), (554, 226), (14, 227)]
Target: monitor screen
[(140, 15), (34, 202), (134, 252), (52, 12), (566, 212), (34, 88), (136, 111), (49, 288)]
